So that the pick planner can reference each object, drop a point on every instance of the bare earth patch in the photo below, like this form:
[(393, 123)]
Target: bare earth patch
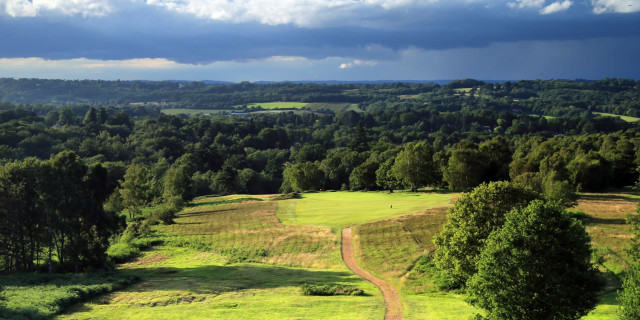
[(391, 297)]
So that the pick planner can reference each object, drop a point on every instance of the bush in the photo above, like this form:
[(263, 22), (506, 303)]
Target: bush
[(122, 251), (330, 290)]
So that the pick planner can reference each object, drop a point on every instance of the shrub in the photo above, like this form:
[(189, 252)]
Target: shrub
[(330, 290), (122, 251)]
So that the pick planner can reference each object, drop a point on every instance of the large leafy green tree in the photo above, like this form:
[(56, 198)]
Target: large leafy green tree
[(629, 297), (301, 177), (536, 266), (470, 222), (467, 167), (135, 189), (414, 165)]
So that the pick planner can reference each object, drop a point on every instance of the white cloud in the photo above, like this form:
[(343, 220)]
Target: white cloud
[(32, 8), (617, 6), (556, 7), (358, 63), (274, 12), (84, 63), (521, 4)]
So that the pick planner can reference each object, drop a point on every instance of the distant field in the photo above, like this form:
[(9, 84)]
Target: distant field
[(195, 112), (279, 105), (625, 118), (334, 107), (344, 208)]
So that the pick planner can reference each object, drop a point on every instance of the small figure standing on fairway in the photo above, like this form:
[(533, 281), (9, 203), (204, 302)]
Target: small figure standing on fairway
[(391, 207)]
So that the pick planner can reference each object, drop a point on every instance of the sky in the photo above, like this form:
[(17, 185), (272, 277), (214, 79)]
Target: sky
[(316, 40)]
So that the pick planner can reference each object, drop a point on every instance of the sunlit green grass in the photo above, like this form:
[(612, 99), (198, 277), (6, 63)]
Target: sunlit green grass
[(279, 105), (39, 296), (183, 283), (195, 112), (625, 118), (389, 249), (208, 268), (343, 208)]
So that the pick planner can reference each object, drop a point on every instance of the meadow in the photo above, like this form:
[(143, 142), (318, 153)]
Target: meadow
[(195, 112), (230, 257), (405, 263), (247, 257), (279, 105), (625, 118)]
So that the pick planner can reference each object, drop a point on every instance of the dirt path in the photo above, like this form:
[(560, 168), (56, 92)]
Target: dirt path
[(391, 298)]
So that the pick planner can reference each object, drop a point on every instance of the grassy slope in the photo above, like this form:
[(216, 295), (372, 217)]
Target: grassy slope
[(341, 209), (412, 234), (226, 259), (198, 273), (625, 118), (39, 296)]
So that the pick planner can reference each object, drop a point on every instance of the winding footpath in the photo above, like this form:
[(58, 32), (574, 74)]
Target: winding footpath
[(391, 298)]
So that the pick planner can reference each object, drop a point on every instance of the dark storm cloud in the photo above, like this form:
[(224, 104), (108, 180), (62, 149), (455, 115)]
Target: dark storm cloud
[(154, 33)]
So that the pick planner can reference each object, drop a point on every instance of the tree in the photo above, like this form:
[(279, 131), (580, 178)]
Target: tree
[(66, 116), (364, 175), (134, 189), (90, 117), (536, 266), (466, 167), (225, 181), (384, 176), (414, 165), (470, 221), (177, 184), (629, 297), (360, 140), (301, 177)]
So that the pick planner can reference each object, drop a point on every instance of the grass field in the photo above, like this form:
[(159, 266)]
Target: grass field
[(625, 118), (231, 258), (279, 105), (39, 296), (341, 209), (195, 112), (242, 257), (412, 235)]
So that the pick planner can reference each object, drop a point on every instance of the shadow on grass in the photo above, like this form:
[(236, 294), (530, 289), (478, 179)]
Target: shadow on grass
[(608, 197), (218, 279), (592, 220), (221, 201), (201, 213)]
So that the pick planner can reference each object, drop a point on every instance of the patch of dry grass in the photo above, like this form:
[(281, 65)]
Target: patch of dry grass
[(249, 231), (389, 248)]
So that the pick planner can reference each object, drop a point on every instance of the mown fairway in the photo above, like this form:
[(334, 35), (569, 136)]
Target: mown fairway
[(341, 209)]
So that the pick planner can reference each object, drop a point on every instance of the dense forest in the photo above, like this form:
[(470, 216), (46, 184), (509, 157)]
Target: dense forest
[(104, 147)]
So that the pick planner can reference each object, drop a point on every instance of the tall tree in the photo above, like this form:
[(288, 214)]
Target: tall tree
[(135, 188), (629, 297), (467, 167), (470, 222), (414, 165), (301, 177), (536, 266)]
